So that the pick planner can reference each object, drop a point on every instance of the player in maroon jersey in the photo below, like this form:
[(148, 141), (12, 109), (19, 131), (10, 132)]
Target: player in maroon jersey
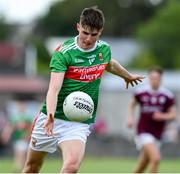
[(156, 108)]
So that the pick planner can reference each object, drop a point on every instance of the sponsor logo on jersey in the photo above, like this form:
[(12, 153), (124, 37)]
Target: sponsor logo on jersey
[(151, 109), (145, 99), (153, 100), (91, 56), (162, 100), (79, 60), (85, 74)]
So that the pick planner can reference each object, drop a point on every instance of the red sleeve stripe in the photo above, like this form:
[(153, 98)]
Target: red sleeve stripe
[(34, 122)]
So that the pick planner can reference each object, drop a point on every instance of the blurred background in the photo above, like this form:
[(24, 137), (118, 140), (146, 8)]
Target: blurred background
[(141, 33)]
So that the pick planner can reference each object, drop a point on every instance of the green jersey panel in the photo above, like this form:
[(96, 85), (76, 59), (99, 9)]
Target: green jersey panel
[(83, 71)]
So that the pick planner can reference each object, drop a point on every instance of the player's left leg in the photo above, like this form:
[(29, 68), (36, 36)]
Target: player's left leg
[(73, 153), (142, 162), (72, 137)]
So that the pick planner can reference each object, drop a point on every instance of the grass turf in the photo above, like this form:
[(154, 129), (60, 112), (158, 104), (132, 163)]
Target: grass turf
[(97, 165)]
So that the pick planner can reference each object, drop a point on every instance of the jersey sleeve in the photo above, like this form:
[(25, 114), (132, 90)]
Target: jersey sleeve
[(109, 53), (170, 102), (58, 62), (137, 95)]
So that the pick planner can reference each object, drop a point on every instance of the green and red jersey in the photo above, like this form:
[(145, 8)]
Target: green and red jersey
[(83, 71)]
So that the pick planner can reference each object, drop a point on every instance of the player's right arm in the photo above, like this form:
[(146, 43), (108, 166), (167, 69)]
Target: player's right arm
[(58, 66), (131, 110), (55, 85)]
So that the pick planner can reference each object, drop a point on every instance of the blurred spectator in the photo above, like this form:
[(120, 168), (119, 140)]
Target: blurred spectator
[(100, 127), (171, 133), (5, 133), (21, 123)]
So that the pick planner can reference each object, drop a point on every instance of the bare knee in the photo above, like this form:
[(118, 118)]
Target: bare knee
[(156, 159), (70, 166)]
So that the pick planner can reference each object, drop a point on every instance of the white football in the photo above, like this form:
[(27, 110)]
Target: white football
[(78, 106)]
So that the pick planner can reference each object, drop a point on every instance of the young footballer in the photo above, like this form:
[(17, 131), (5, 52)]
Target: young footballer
[(77, 65)]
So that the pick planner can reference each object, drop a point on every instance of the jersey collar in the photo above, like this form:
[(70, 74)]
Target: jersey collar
[(154, 91)]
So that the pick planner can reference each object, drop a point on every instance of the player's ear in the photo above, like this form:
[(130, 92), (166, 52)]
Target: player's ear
[(78, 26), (100, 31)]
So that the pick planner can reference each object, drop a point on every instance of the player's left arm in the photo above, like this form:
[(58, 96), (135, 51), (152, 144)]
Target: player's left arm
[(116, 68), (169, 115)]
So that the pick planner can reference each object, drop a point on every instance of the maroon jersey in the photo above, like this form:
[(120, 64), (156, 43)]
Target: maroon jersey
[(150, 102)]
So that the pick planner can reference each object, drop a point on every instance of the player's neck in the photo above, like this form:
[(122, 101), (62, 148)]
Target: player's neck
[(155, 88)]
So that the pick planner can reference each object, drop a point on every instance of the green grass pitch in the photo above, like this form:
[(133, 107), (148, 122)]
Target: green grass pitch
[(97, 165)]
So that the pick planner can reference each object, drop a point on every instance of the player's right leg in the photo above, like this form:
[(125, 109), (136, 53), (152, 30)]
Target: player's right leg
[(142, 162), (34, 161), (40, 145)]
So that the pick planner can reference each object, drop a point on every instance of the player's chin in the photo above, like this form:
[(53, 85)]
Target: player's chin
[(87, 46)]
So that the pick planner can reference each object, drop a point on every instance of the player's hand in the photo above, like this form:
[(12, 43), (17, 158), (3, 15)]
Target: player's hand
[(133, 80), (48, 125), (159, 116)]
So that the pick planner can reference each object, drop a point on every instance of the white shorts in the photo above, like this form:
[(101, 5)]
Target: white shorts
[(146, 138), (63, 131)]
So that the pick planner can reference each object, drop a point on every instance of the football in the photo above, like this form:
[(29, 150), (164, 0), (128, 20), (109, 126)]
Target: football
[(78, 106)]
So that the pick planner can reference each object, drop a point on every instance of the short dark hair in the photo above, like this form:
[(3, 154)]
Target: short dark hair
[(157, 69), (92, 17)]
